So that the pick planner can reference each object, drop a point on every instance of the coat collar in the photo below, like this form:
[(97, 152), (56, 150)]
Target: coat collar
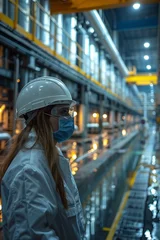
[(32, 139)]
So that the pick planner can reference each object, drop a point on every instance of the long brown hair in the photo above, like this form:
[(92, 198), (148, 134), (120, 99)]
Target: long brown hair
[(43, 129)]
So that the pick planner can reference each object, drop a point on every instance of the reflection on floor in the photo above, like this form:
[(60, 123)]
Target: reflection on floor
[(125, 203), (102, 204)]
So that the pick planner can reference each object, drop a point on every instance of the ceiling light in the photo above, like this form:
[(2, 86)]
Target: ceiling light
[(104, 115), (95, 115), (90, 30), (148, 67), (136, 6), (146, 44), (146, 57)]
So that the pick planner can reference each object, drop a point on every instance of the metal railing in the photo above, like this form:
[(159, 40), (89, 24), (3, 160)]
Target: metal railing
[(50, 37)]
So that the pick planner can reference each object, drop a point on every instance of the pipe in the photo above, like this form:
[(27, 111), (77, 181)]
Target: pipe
[(105, 38)]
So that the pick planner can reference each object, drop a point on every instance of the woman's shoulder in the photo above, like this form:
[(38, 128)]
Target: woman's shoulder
[(30, 159)]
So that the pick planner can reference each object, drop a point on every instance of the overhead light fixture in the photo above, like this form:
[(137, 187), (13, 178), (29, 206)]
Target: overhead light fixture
[(95, 115), (104, 115), (148, 67), (146, 44), (146, 57), (136, 6), (90, 30)]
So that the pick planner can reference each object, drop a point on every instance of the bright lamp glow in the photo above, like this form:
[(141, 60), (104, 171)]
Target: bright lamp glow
[(146, 44), (136, 6), (95, 115), (104, 115), (95, 146), (124, 132), (146, 57), (148, 67), (90, 30)]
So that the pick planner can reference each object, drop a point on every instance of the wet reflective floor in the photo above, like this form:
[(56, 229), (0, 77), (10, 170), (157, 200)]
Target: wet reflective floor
[(102, 204), (141, 213), (140, 218), (82, 151)]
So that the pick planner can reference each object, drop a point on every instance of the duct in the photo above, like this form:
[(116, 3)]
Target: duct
[(103, 34)]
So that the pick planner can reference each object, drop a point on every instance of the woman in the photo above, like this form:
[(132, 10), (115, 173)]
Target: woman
[(40, 199)]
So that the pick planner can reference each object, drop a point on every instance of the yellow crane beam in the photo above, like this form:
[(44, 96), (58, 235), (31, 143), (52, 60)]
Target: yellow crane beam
[(70, 6), (142, 79)]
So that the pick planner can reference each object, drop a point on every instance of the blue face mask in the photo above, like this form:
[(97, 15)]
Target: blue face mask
[(66, 129)]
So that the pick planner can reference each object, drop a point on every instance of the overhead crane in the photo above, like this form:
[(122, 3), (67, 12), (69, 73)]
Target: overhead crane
[(142, 79), (70, 6)]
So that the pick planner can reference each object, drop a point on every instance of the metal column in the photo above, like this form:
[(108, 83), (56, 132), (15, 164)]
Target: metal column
[(15, 92), (84, 110), (101, 109), (145, 105)]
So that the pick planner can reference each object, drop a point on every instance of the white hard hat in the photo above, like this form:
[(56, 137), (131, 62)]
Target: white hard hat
[(42, 92)]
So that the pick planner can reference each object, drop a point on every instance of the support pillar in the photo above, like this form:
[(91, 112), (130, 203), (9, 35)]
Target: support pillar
[(66, 40), (81, 41), (84, 109), (45, 72), (112, 118), (101, 110), (15, 92), (115, 39), (102, 71), (6, 58), (45, 21), (119, 117)]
